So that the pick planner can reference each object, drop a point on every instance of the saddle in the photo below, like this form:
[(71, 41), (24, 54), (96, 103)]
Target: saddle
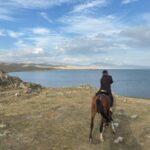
[(102, 92)]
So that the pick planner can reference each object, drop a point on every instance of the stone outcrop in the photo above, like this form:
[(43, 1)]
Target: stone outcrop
[(6, 80), (9, 82)]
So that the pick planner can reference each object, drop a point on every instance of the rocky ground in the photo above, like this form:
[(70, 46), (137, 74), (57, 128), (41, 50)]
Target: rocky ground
[(8, 83), (59, 119)]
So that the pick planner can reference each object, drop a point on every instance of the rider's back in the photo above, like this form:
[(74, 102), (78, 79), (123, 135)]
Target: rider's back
[(106, 82)]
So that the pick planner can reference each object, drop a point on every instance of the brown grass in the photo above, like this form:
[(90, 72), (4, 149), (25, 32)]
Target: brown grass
[(58, 119)]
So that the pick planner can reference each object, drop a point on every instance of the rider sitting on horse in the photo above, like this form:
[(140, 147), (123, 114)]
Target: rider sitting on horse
[(105, 83)]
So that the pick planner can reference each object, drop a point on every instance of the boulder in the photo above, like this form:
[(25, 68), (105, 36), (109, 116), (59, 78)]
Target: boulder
[(118, 140), (2, 125), (116, 124), (9, 82), (134, 116)]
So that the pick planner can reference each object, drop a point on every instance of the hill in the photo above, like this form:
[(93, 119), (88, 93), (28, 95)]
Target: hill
[(59, 119), (13, 67)]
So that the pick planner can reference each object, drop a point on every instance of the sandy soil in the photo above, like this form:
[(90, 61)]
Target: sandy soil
[(59, 119)]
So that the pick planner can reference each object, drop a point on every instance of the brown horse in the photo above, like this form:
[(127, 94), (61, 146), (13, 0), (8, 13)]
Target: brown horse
[(101, 105)]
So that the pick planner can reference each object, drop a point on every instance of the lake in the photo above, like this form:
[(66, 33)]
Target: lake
[(133, 83)]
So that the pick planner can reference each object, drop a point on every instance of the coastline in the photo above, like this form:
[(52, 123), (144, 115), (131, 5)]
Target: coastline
[(18, 67)]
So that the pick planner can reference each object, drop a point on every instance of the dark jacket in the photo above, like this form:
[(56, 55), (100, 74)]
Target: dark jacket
[(106, 82)]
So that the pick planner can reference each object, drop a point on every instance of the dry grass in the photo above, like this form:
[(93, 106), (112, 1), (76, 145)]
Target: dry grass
[(58, 119)]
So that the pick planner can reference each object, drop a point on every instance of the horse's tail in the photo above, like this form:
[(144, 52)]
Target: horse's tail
[(102, 110)]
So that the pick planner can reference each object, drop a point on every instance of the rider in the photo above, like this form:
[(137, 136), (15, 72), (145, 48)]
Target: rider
[(105, 83)]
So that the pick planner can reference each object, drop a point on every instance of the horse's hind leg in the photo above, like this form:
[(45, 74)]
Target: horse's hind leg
[(101, 130), (113, 127), (92, 125), (112, 123)]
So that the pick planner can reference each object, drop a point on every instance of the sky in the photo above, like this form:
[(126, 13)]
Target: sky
[(76, 32)]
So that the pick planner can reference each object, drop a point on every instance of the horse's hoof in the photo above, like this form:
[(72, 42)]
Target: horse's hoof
[(102, 139), (90, 140)]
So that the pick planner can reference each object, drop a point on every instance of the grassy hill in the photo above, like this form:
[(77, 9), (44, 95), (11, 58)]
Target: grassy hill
[(59, 119)]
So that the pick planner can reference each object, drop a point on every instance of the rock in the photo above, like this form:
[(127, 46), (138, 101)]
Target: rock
[(116, 124), (118, 140), (134, 116), (22, 86), (4, 133), (148, 136), (9, 82), (16, 94), (125, 100), (28, 91), (60, 93), (3, 75), (2, 125)]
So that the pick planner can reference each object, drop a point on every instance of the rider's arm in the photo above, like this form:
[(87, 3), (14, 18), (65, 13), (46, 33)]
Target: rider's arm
[(111, 80)]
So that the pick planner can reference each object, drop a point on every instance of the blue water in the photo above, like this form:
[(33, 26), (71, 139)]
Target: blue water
[(134, 83)]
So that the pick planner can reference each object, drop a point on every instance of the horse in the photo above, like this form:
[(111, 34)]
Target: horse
[(101, 105)]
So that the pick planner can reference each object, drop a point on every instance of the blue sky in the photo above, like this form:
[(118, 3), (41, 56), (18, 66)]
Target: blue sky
[(77, 32)]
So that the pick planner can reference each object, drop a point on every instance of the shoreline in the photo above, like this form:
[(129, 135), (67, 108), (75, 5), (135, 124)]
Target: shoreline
[(41, 70), (88, 86), (23, 67), (82, 85), (17, 67)]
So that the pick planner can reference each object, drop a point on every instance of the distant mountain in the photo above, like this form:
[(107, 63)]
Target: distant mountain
[(114, 66), (13, 67)]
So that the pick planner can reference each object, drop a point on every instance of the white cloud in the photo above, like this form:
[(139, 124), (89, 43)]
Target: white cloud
[(45, 16), (5, 14), (9, 7), (2, 33), (94, 36), (38, 50), (145, 17), (11, 33), (27, 52), (128, 1), (137, 37), (33, 4), (20, 44), (86, 25), (82, 38), (41, 31), (87, 5), (6, 17), (14, 34), (30, 52)]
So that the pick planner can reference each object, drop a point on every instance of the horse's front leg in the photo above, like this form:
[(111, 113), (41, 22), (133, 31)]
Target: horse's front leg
[(91, 129), (93, 113), (101, 130)]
